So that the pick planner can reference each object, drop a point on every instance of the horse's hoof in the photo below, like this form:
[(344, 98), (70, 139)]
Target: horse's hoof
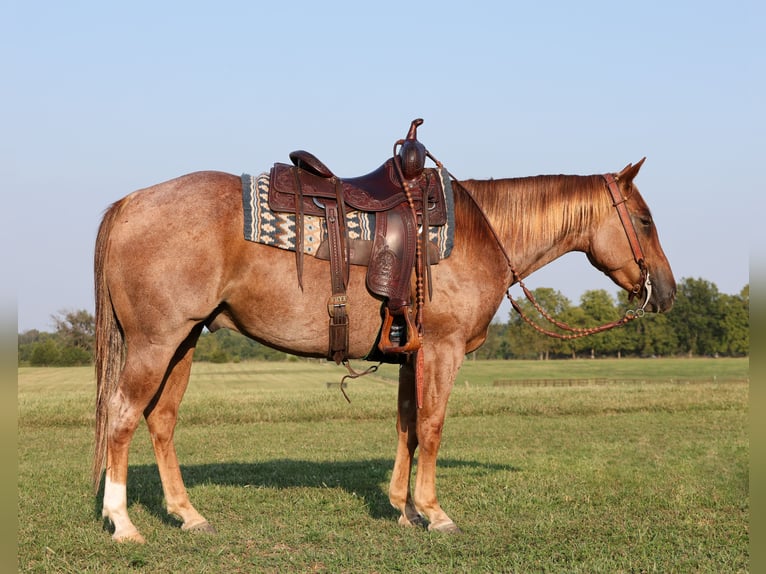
[(134, 536), (204, 527), (446, 528), (409, 522)]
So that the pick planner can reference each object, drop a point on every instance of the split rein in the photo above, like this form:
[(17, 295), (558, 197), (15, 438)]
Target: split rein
[(573, 332), (618, 201)]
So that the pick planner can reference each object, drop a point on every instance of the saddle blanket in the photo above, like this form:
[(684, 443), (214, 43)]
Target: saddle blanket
[(262, 225)]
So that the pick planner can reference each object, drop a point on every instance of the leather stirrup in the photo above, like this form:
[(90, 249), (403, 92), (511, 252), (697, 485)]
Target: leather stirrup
[(413, 339)]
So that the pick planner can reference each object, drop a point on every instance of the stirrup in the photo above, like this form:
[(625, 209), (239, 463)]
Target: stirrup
[(413, 339)]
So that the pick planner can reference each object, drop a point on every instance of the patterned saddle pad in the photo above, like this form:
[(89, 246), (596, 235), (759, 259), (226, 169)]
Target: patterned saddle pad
[(262, 225)]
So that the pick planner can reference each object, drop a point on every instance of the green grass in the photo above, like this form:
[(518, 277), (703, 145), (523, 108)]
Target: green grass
[(624, 477)]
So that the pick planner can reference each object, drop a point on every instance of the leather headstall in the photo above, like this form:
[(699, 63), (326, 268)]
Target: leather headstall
[(619, 201)]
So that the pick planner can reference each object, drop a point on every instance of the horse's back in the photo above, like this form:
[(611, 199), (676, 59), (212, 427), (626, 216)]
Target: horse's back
[(180, 209), (187, 192)]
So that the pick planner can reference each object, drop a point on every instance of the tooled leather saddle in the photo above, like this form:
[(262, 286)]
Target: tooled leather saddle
[(405, 197)]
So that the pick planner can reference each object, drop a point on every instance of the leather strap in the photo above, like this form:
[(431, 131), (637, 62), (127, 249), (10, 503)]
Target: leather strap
[(630, 230), (425, 265), (299, 228), (339, 274)]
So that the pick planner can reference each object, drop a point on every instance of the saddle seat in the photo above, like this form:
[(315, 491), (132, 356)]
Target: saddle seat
[(379, 190), (375, 191)]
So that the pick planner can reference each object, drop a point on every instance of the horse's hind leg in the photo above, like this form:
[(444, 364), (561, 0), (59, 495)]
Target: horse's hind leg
[(141, 377), (161, 416)]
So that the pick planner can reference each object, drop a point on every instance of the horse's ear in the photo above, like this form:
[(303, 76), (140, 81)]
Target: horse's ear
[(630, 171)]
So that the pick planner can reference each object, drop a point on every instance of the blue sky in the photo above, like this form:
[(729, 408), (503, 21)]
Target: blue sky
[(103, 98)]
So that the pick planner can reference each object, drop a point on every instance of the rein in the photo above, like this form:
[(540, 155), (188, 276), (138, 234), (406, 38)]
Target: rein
[(618, 201)]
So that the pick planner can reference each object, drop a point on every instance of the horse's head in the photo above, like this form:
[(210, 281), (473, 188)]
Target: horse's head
[(627, 248)]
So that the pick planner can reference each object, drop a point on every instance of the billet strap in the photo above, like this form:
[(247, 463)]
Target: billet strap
[(339, 274)]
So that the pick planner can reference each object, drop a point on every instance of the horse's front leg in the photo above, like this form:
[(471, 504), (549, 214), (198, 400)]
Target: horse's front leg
[(441, 366), (406, 419)]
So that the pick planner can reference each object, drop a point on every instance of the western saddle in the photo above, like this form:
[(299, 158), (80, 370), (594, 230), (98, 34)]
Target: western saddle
[(404, 197)]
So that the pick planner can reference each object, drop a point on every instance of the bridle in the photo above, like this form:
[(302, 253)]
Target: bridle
[(618, 201)]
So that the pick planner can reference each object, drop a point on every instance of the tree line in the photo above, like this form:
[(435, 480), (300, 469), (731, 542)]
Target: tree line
[(703, 322)]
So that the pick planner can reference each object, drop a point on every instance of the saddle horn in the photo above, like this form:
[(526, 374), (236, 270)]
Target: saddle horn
[(412, 153)]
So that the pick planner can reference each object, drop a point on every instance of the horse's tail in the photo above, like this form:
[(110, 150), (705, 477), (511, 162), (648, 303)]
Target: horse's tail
[(110, 343)]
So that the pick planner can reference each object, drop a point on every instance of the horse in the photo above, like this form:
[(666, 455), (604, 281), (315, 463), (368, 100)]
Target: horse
[(171, 260)]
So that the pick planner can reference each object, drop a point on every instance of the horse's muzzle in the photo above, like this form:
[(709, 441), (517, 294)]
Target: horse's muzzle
[(661, 294)]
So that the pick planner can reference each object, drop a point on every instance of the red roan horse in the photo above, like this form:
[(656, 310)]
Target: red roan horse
[(171, 259)]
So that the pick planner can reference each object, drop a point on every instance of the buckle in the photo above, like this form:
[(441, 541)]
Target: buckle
[(336, 302)]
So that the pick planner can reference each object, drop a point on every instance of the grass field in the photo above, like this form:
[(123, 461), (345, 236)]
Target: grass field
[(648, 473)]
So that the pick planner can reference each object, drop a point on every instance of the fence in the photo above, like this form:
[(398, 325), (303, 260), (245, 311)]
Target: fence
[(610, 381)]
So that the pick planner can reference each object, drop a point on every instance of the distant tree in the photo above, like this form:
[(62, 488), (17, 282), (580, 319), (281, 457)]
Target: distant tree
[(209, 349), (31, 336), (735, 323), (45, 353), (598, 308), (71, 344), (526, 342), (497, 345), (648, 336), (696, 317), (578, 318), (228, 346), (26, 344), (73, 356), (76, 329)]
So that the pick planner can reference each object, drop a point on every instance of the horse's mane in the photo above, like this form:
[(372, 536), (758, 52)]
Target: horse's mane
[(539, 209)]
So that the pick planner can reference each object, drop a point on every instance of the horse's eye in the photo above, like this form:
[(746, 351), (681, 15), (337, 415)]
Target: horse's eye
[(643, 219)]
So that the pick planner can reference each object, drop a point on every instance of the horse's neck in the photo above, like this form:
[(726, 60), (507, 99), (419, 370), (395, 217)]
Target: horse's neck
[(528, 259), (529, 235)]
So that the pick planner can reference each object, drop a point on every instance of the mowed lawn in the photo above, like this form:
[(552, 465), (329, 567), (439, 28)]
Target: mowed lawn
[(645, 473)]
